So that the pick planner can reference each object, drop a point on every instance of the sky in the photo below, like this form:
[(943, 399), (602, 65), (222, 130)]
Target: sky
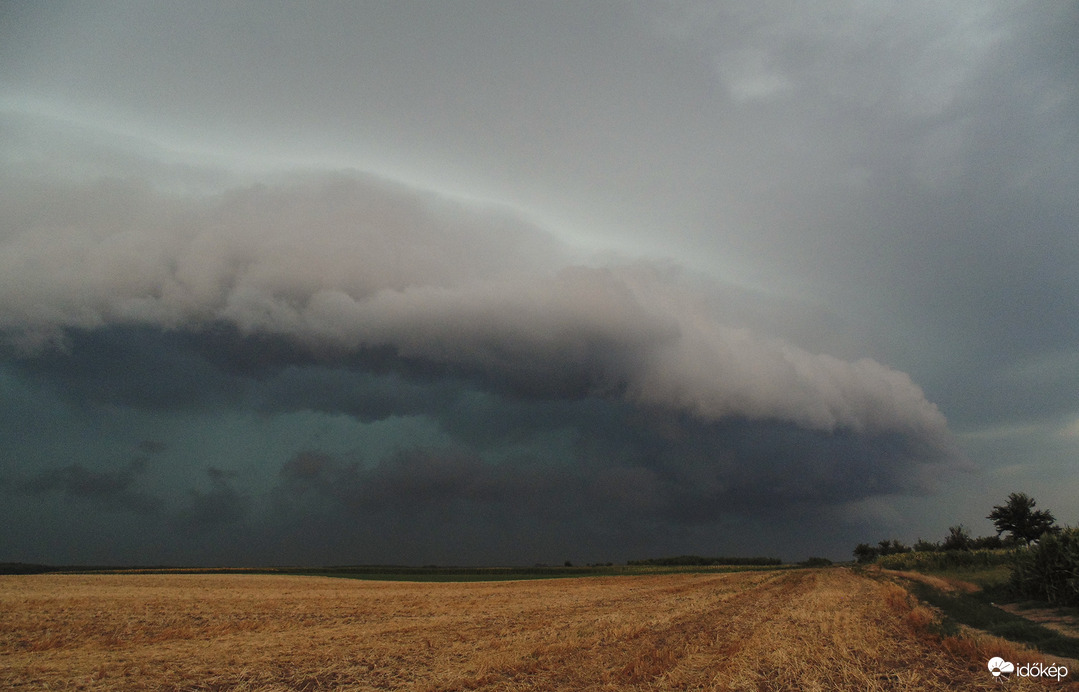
[(483, 282)]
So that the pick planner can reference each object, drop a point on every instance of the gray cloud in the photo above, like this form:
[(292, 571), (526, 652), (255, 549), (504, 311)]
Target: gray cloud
[(732, 256), (579, 395), (221, 506), (111, 490), (628, 394), (343, 264), (432, 502)]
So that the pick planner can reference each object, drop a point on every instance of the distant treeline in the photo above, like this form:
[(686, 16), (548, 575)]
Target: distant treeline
[(698, 561), (426, 572), (376, 572), (25, 568), (32, 568), (416, 573)]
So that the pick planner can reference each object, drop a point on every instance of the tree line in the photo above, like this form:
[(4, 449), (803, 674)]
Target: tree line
[(1044, 557), (699, 561), (1017, 518)]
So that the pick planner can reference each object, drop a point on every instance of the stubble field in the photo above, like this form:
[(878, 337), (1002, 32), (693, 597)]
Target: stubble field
[(783, 630)]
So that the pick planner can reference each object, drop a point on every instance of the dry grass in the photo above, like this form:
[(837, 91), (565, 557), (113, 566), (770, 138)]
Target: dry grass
[(1064, 621), (944, 584), (804, 629)]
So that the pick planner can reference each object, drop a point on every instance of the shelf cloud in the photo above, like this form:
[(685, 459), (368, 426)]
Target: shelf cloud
[(347, 294), (345, 264), (520, 281)]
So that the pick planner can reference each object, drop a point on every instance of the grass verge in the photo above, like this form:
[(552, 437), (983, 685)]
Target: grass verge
[(976, 609)]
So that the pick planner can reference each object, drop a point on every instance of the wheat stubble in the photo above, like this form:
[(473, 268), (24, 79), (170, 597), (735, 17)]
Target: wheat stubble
[(796, 629)]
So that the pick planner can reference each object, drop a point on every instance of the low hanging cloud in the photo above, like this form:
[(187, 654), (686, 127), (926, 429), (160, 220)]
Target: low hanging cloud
[(634, 492), (112, 490), (206, 510), (343, 263), (572, 396)]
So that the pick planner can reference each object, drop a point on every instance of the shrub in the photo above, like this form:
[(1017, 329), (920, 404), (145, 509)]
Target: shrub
[(958, 538), (1049, 570), (863, 553), (987, 542), (892, 547), (946, 559), (698, 561), (817, 562)]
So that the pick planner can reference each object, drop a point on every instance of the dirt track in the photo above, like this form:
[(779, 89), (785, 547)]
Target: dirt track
[(801, 629)]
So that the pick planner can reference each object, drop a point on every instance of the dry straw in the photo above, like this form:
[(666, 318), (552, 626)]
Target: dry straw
[(775, 630)]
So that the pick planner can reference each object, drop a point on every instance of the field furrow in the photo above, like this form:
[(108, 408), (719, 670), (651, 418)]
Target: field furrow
[(794, 629)]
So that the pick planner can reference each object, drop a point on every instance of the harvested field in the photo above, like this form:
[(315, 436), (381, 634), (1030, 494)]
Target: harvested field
[(773, 630)]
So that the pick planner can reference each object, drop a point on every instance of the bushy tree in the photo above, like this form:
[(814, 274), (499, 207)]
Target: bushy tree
[(1019, 518), (817, 562), (924, 546), (986, 543), (958, 538), (892, 547), (864, 553)]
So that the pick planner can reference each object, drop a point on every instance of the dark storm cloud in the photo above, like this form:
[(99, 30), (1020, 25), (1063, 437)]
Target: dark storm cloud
[(111, 490), (620, 392), (858, 201), (605, 441), (219, 506), (136, 366), (643, 482), (152, 447), (678, 471), (423, 482)]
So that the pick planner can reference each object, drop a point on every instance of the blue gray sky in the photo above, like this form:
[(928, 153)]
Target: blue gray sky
[(491, 282)]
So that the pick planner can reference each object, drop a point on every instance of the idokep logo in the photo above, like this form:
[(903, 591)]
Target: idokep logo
[(998, 666)]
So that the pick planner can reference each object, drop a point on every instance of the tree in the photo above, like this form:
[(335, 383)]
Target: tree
[(923, 546), (1019, 518), (892, 547), (863, 553), (986, 543), (958, 538)]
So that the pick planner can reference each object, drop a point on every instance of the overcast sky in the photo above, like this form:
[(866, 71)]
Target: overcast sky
[(494, 282)]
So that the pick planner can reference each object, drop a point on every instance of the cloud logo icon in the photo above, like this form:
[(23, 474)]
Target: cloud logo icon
[(998, 665)]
